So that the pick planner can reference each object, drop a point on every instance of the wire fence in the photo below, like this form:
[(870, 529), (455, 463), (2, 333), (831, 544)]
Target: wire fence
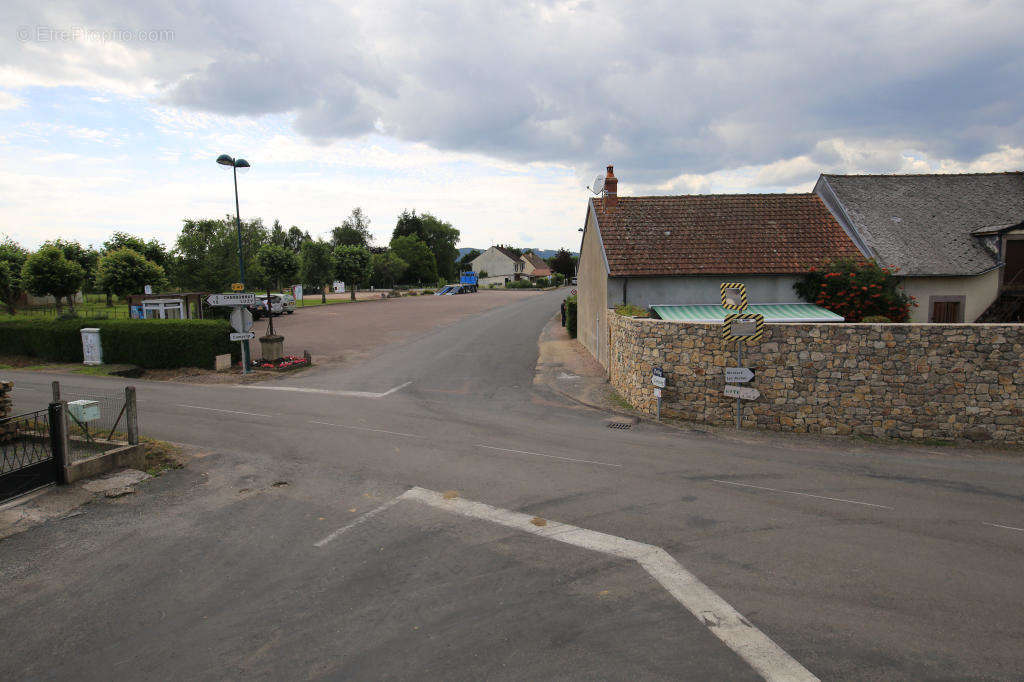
[(96, 436), (86, 311)]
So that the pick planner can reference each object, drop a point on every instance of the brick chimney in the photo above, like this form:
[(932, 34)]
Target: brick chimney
[(611, 187)]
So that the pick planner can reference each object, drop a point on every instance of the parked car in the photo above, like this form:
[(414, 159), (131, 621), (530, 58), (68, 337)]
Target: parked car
[(260, 309), (288, 303)]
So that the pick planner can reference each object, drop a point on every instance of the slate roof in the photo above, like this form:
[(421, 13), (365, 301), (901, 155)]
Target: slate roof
[(923, 224), (719, 234), (507, 252)]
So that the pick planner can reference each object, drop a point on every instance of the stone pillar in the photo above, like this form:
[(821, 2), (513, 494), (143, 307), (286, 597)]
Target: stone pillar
[(272, 347)]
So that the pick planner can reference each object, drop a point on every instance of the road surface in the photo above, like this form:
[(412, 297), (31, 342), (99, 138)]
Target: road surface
[(311, 538)]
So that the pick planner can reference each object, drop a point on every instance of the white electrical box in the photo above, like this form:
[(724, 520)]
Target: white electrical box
[(84, 410)]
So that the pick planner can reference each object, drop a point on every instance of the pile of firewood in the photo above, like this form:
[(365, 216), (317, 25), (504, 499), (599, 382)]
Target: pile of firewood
[(8, 429)]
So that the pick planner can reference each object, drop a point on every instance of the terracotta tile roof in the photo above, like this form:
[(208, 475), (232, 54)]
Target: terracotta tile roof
[(719, 234), (537, 262)]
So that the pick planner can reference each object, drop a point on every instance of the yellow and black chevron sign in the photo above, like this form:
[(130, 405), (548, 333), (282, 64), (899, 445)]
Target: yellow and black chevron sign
[(747, 327), (734, 296)]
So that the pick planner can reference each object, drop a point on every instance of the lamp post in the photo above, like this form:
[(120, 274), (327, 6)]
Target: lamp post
[(235, 164)]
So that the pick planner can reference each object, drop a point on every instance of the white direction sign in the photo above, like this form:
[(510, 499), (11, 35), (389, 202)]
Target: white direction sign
[(738, 375), (657, 393), (658, 381), (231, 299), (742, 392), (242, 336), (241, 319)]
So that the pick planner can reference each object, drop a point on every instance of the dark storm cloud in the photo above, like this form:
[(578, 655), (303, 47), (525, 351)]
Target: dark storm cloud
[(661, 88)]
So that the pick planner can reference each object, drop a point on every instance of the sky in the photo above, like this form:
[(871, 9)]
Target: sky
[(495, 116)]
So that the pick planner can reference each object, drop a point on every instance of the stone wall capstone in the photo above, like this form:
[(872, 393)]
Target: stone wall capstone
[(907, 381)]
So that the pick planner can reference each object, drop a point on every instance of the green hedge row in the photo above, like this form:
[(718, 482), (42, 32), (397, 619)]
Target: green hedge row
[(570, 316), (153, 344)]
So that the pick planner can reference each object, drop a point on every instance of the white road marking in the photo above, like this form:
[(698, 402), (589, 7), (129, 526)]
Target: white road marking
[(216, 409), (793, 492), (999, 525), (540, 454), (735, 631), (325, 391), (362, 519), (365, 428)]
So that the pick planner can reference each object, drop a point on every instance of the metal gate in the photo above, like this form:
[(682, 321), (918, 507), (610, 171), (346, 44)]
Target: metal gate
[(28, 459)]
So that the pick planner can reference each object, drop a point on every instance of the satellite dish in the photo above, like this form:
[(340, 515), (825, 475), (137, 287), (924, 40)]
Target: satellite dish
[(597, 187)]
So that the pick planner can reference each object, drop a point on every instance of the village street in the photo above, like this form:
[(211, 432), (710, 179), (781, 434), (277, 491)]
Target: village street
[(325, 527)]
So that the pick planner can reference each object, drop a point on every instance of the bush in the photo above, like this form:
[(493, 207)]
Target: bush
[(570, 316), (630, 310), (519, 284), (154, 344), (876, 318), (427, 291), (542, 282), (856, 289)]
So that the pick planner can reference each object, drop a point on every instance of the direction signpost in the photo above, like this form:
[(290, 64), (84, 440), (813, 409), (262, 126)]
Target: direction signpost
[(741, 392), (738, 375), (740, 327), (241, 319), (658, 379)]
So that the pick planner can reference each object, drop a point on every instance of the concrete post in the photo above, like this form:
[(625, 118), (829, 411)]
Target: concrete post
[(131, 415), (55, 386), (60, 439)]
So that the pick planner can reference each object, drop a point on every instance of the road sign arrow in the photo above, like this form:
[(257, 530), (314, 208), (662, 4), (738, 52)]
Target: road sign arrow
[(742, 392), (738, 375), (231, 299), (658, 381), (242, 336)]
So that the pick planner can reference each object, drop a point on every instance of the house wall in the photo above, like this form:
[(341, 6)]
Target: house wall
[(646, 291), (495, 263), (592, 309), (910, 381), (980, 291)]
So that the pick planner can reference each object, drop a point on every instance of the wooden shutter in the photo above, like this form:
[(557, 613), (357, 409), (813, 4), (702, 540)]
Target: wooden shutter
[(946, 311)]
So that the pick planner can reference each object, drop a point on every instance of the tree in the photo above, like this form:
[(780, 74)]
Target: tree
[(296, 238), (512, 249), (47, 272), (467, 258), (353, 231), (277, 264), (316, 266), (409, 224), (441, 237), (856, 289), (278, 236), (352, 265), (12, 259), (563, 262), (152, 250), (418, 256), (207, 252), (124, 271), (386, 269)]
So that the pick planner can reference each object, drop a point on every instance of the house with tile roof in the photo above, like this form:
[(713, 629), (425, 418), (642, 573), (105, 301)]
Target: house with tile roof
[(674, 250), (534, 266), (501, 265), (957, 239)]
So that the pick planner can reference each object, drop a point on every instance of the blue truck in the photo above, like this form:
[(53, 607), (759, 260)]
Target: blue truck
[(469, 279)]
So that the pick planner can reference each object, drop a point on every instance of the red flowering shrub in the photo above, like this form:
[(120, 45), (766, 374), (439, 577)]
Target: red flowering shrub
[(856, 289)]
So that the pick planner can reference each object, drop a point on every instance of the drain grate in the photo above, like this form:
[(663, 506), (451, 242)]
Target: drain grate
[(619, 425)]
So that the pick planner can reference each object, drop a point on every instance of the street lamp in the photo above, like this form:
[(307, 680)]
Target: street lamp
[(235, 164)]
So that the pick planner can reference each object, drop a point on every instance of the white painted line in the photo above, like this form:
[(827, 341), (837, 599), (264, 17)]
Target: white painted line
[(793, 492), (540, 454), (362, 519), (364, 428), (735, 631), (999, 525), (216, 409), (325, 391)]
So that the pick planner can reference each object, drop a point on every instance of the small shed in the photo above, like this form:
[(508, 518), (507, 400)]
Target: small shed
[(772, 312), (186, 306)]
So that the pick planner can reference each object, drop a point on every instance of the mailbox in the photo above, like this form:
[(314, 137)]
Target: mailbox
[(84, 410)]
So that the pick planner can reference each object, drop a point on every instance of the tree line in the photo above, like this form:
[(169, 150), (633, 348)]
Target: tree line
[(204, 257)]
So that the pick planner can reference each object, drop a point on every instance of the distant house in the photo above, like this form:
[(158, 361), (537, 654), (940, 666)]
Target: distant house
[(534, 266), (957, 239), (674, 250), (500, 264)]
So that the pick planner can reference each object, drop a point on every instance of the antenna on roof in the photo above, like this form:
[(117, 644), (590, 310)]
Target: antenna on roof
[(598, 185)]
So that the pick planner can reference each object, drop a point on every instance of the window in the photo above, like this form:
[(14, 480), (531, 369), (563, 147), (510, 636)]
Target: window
[(164, 309), (946, 309)]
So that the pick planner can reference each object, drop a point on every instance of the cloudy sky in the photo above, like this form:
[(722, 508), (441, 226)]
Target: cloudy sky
[(493, 115)]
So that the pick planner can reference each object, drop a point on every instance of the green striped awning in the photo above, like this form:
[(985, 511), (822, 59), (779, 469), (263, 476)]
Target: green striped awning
[(773, 312)]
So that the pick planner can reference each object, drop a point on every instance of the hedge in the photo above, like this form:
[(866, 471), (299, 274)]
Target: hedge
[(153, 344), (570, 316)]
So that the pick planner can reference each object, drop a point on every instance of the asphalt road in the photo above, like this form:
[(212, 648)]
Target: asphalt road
[(857, 562)]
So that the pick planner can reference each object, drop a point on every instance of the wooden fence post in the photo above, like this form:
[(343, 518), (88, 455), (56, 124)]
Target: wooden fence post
[(132, 415)]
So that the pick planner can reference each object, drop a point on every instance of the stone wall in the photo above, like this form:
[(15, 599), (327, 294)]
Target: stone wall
[(911, 381)]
